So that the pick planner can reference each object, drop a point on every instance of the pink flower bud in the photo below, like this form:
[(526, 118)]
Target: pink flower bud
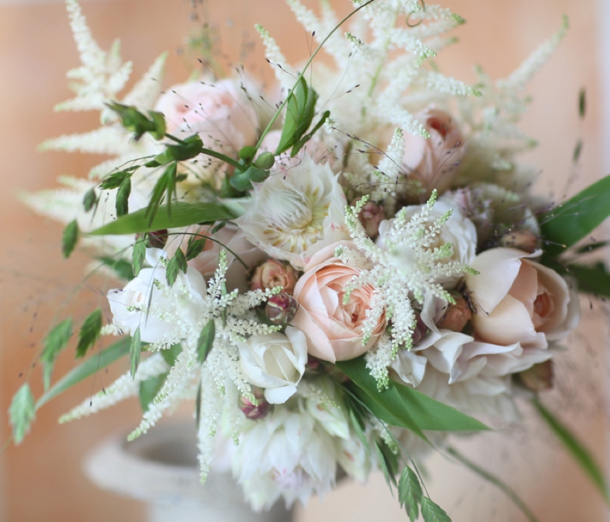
[(250, 410), (371, 216), (521, 240), (155, 239), (420, 331), (539, 377), (456, 316), (274, 273), (281, 308)]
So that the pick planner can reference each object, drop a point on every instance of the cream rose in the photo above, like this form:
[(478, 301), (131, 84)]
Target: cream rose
[(519, 300), (334, 330), (216, 111), (275, 362)]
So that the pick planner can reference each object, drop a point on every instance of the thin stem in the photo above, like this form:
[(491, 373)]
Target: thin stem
[(278, 112)]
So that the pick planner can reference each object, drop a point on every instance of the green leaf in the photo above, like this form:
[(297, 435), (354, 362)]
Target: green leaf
[(573, 220), (405, 407), (591, 247), (386, 463), (135, 349), (183, 215), (122, 198), (187, 149), (136, 122), (582, 104), (174, 266), (198, 406), (115, 179), (89, 200), (357, 426), (69, 238), (582, 456), (159, 190), (194, 247), (149, 389), (86, 369), (158, 120), (298, 146), (122, 268), (492, 479), (139, 255), (54, 343), (89, 332), (432, 512), (593, 279), (171, 354), (410, 492), (22, 412), (206, 341)]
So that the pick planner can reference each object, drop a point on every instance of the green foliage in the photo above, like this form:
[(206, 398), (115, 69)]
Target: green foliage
[(242, 181), (70, 238), (122, 268), (175, 264), (575, 219), (194, 247), (206, 341), (388, 462), (149, 389), (582, 104), (165, 184), (136, 122), (410, 492), (247, 153), (122, 198), (182, 215), (186, 149), (86, 369), (54, 343), (198, 406), (135, 349), (138, 256), (90, 200), (116, 179), (593, 279), (89, 332), (405, 407), (582, 456), (22, 412), (432, 512), (171, 354)]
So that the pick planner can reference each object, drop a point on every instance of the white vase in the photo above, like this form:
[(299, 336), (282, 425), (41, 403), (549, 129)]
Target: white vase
[(160, 469)]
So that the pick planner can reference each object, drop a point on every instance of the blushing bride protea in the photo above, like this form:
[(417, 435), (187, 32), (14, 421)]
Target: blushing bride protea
[(294, 214)]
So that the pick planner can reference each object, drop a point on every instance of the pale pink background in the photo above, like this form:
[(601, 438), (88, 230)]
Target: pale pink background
[(42, 480)]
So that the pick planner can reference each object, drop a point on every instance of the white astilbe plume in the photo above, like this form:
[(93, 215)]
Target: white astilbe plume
[(409, 267), (283, 71), (124, 387)]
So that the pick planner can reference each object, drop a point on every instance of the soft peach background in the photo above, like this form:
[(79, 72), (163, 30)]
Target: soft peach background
[(41, 480)]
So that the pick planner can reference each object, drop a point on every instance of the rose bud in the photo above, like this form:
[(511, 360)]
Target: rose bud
[(250, 410), (539, 377), (456, 316), (274, 273), (420, 331), (155, 239), (371, 216), (281, 308), (520, 239)]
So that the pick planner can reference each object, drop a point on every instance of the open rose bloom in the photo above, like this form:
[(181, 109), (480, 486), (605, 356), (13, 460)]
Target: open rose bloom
[(328, 297)]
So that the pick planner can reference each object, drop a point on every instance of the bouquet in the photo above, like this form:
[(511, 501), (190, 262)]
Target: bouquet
[(339, 271)]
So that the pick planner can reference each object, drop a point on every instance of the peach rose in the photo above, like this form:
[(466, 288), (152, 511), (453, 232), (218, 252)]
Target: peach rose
[(273, 273), (333, 329), (216, 111), (519, 300), (434, 161)]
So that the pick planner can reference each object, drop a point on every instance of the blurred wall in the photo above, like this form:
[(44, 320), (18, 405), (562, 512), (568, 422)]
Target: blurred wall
[(41, 479)]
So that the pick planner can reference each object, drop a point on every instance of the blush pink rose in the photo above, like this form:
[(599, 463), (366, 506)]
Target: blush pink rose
[(333, 329), (216, 111), (519, 301)]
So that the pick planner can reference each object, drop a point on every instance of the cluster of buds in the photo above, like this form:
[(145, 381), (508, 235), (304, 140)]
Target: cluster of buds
[(252, 411)]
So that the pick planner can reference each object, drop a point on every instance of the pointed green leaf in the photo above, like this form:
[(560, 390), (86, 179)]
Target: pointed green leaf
[(135, 349), (54, 343), (172, 271), (22, 412), (171, 354), (159, 190), (70, 238), (432, 512), (89, 332), (575, 219), (194, 247), (87, 368), (410, 492), (582, 456), (593, 279), (115, 179), (206, 341), (89, 200), (183, 215), (149, 389), (139, 255), (385, 465), (123, 268), (122, 198)]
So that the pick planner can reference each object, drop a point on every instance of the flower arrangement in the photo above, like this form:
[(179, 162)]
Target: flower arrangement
[(335, 282)]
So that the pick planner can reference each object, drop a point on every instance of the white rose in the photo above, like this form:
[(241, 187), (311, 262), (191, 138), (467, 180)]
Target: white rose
[(294, 214), (164, 315), (275, 362)]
